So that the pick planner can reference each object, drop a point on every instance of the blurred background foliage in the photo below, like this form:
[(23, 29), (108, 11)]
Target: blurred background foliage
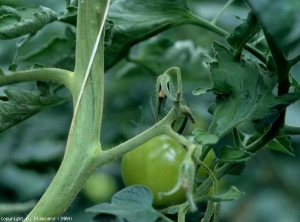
[(31, 151)]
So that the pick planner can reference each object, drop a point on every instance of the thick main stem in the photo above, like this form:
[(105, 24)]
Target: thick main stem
[(83, 142)]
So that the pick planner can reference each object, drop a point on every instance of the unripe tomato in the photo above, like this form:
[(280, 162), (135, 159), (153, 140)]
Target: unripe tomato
[(156, 164), (101, 193)]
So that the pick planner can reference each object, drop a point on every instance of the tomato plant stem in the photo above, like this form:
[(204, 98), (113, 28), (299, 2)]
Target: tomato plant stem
[(162, 127), (282, 68), (290, 130), (83, 144), (294, 61), (198, 21), (45, 74), (237, 139)]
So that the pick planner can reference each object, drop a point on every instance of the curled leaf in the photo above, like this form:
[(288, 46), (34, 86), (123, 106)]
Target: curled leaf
[(27, 26)]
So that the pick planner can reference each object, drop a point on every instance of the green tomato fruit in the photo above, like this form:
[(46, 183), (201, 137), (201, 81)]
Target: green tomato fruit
[(156, 164), (100, 187)]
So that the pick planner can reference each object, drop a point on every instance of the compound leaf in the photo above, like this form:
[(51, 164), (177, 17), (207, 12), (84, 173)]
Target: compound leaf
[(283, 26), (282, 144), (243, 33), (71, 15), (19, 105), (233, 155), (203, 138), (137, 20), (25, 26), (232, 194), (57, 52), (244, 91), (133, 203)]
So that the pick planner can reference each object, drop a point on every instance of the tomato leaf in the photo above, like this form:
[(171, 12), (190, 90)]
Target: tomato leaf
[(283, 26), (233, 155), (19, 105), (137, 20), (282, 144), (243, 33), (57, 52), (8, 16), (71, 15), (232, 194), (203, 138), (13, 67), (133, 203), (244, 91), (25, 26)]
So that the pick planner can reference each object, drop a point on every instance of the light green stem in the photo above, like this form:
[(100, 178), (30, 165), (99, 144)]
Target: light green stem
[(195, 20), (45, 74), (162, 127), (290, 130), (83, 142)]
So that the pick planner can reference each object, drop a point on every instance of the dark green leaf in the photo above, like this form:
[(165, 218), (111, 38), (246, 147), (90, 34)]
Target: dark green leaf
[(203, 138), (13, 67), (7, 10), (58, 52), (8, 16), (232, 194), (244, 91), (243, 33), (9, 19), (71, 15), (109, 32), (233, 155), (27, 26), (137, 20), (282, 144), (20, 105), (280, 18), (133, 203)]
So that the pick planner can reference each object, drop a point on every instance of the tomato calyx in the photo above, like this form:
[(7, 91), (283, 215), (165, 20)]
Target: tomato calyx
[(186, 181)]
